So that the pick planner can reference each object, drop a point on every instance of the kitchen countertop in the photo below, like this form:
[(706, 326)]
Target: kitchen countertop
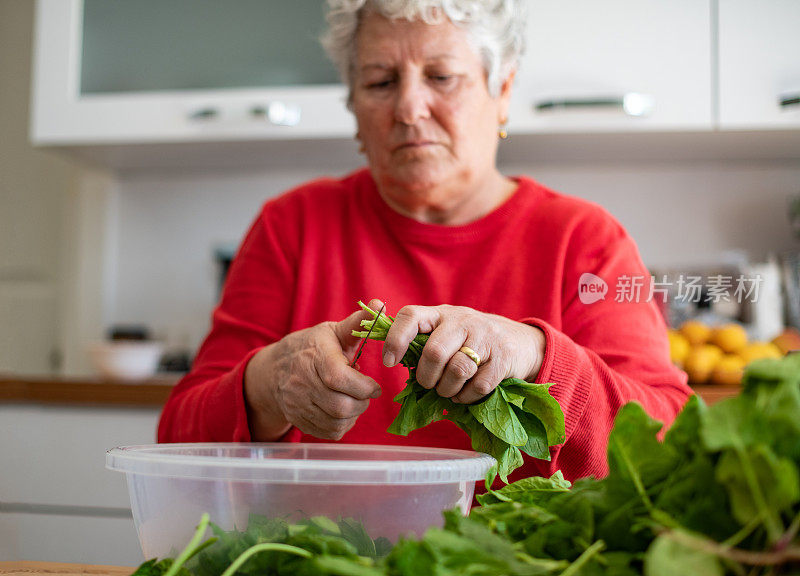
[(61, 569), (85, 391), (713, 394), (153, 392)]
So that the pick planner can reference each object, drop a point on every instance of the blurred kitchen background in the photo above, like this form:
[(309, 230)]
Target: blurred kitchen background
[(138, 140)]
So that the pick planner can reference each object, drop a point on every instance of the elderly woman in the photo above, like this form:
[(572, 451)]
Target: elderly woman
[(432, 228)]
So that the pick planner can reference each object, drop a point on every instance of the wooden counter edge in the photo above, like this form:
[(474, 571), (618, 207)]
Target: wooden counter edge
[(30, 568), (150, 393), (711, 394), (85, 392)]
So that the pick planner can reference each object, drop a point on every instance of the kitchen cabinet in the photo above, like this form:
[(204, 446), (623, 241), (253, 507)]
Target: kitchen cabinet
[(59, 538), (759, 64), (57, 500), (193, 71), (190, 83), (623, 65), (182, 71)]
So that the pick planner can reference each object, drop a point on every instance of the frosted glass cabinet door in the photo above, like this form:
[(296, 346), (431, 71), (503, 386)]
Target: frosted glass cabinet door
[(151, 45), (183, 70), (759, 64), (617, 65)]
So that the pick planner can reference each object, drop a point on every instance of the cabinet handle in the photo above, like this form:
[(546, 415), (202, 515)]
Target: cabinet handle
[(278, 113), (632, 104), (787, 100), (204, 114)]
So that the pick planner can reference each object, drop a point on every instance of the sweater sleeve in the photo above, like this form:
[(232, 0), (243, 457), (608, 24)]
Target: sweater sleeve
[(208, 405), (606, 352)]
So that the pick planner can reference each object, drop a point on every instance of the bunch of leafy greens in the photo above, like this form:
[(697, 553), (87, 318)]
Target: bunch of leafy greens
[(515, 417), (312, 546), (719, 495)]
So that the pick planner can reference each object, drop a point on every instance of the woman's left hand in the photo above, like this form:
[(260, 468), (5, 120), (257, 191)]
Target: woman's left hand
[(507, 349)]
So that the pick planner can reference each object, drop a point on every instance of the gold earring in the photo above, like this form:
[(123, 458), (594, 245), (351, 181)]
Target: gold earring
[(501, 131), (361, 147)]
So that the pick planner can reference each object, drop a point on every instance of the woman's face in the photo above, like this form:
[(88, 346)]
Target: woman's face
[(424, 113)]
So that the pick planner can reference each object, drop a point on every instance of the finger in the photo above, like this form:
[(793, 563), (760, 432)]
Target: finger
[(320, 425), (441, 346), (340, 406), (486, 379), (376, 305), (458, 371), (410, 321), (334, 371)]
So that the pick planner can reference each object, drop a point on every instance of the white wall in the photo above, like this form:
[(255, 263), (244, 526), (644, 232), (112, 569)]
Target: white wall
[(33, 189), (679, 213), (168, 229)]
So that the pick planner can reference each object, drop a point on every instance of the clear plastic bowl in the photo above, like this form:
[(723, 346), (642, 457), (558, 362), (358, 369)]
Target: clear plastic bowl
[(392, 490)]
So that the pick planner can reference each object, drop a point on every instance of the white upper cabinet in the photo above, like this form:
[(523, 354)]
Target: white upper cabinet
[(759, 64), (240, 78), (183, 70), (617, 65)]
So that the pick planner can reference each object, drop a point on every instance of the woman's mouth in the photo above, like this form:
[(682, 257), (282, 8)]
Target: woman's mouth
[(415, 144)]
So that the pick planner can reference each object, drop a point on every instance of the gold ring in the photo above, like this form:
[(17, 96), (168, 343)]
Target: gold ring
[(472, 354)]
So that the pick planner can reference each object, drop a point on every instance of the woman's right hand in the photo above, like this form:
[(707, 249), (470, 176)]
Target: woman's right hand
[(305, 380)]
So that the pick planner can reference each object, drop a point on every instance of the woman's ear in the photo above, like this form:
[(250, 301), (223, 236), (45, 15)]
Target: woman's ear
[(505, 94)]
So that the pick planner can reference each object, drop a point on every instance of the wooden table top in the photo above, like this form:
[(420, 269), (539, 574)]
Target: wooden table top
[(28, 568)]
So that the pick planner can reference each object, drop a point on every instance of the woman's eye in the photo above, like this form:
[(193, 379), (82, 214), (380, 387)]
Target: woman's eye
[(378, 85), (442, 79)]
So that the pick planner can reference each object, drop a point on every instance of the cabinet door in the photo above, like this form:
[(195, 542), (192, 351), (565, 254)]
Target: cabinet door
[(55, 456), (759, 64), (182, 70), (76, 539), (620, 65)]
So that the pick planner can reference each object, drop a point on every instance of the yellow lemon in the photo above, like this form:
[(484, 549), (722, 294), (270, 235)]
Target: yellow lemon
[(695, 332), (731, 338), (678, 347), (759, 350), (728, 371), (700, 362)]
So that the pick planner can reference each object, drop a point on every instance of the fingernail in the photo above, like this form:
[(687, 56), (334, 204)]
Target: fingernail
[(388, 359), (377, 393)]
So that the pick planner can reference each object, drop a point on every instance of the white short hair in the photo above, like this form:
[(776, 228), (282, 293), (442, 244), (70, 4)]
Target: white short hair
[(495, 29)]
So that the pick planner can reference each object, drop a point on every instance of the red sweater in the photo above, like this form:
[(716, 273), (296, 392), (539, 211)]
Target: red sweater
[(314, 252)]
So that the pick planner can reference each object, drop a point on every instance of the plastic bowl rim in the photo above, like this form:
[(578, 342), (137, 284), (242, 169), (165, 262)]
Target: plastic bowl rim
[(121, 458)]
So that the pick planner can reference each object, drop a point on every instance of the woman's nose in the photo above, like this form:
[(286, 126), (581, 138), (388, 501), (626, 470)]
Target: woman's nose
[(412, 102)]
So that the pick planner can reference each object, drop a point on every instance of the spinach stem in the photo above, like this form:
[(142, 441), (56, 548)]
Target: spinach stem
[(743, 533), (750, 558), (191, 548), (264, 547), (790, 534), (575, 567), (772, 524), (637, 480)]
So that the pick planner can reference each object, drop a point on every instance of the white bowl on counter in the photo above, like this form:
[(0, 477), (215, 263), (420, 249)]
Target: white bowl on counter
[(126, 360)]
